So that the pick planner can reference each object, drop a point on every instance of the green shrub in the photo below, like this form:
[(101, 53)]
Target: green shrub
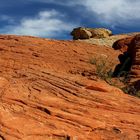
[(103, 70)]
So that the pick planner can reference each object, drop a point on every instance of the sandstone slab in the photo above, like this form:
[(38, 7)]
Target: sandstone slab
[(44, 94)]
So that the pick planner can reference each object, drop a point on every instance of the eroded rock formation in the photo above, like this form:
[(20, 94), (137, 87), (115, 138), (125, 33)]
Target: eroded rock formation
[(101, 36), (123, 44), (48, 91), (130, 59), (134, 50), (86, 33)]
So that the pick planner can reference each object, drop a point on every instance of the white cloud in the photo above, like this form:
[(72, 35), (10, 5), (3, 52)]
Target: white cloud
[(117, 11), (46, 23), (53, 23), (110, 12)]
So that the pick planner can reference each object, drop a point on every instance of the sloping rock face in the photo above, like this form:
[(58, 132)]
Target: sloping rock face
[(86, 33), (48, 92)]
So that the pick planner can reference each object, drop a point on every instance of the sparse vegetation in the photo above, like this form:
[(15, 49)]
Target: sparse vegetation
[(104, 70)]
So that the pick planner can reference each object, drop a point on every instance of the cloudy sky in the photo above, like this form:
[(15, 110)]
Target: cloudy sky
[(57, 18)]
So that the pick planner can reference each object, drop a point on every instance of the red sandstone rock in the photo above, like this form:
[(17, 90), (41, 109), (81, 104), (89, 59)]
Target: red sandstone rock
[(44, 95), (135, 49), (131, 47), (123, 44)]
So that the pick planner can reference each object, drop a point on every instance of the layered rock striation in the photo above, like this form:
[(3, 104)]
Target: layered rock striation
[(49, 91)]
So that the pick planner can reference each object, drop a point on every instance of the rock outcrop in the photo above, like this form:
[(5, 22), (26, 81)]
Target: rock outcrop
[(102, 36), (49, 91), (86, 33), (130, 59), (125, 58), (108, 42), (123, 44), (81, 33), (134, 51)]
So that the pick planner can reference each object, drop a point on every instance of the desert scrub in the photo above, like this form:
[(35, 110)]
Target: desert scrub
[(104, 70), (103, 67)]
